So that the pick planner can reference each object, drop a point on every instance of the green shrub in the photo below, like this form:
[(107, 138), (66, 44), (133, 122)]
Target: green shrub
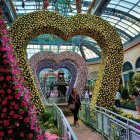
[(125, 94), (136, 79), (45, 117)]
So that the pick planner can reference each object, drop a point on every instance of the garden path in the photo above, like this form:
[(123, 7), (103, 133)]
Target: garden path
[(84, 132)]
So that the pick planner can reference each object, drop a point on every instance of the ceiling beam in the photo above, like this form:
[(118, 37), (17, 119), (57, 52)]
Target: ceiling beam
[(100, 7), (6, 11), (91, 6), (82, 52)]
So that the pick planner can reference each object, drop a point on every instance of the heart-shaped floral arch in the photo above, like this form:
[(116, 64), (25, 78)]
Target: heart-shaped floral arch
[(38, 59), (64, 64), (44, 22)]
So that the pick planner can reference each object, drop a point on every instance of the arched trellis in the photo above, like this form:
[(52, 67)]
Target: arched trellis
[(63, 64), (39, 58), (44, 22), (127, 66)]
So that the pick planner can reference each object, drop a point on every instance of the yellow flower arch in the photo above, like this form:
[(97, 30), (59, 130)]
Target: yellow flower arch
[(44, 22)]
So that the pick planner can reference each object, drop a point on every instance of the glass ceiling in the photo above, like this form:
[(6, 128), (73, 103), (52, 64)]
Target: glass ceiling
[(32, 49), (124, 15)]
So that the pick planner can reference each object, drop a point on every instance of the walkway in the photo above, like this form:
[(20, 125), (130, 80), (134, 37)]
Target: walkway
[(84, 132), (134, 113)]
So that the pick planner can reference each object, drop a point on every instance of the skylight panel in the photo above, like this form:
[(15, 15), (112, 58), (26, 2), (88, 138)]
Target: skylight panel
[(136, 9), (134, 14), (113, 24), (133, 30), (127, 22), (29, 11), (121, 28), (135, 27), (123, 39), (117, 18), (46, 47), (111, 6), (131, 34), (84, 8), (115, 1), (132, 1), (112, 20), (123, 24), (22, 11), (122, 9), (126, 4)]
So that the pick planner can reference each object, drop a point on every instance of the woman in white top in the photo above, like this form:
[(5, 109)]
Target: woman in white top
[(117, 98), (86, 96)]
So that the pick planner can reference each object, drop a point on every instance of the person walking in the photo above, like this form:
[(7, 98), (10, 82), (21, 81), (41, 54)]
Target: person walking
[(136, 97), (117, 98), (74, 105), (87, 96)]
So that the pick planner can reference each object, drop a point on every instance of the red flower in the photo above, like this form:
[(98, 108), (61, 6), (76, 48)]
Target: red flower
[(26, 120), (4, 102), (9, 91), (6, 70), (17, 124), (20, 117), (8, 78), (12, 113), (2, 91), (17, 96), (21, 134), (24, 103), (10, 97), (15, 116), (4, 109), (30, 136), (3, 115), (1, 78), (10, 131), (4, 85), (21, 112), (5, 61), (15, 87), (6, 122), (13, 103), (16, 106), (1, 133)]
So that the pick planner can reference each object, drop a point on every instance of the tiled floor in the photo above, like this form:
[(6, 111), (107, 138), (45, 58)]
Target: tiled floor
[(84, 132)]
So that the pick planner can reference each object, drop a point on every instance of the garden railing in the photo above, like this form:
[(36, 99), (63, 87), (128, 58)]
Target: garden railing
[(62, 124), (111, 125)]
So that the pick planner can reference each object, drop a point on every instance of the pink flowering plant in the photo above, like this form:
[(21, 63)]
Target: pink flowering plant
[(18, 119)]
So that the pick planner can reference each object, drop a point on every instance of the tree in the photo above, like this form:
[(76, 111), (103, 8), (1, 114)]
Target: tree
[(17, 114)]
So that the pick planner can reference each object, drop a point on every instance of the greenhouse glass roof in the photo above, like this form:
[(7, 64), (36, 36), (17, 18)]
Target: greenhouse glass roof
[(124, 15)]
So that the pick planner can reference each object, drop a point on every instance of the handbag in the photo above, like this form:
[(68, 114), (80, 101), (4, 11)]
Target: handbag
[(72, 106)]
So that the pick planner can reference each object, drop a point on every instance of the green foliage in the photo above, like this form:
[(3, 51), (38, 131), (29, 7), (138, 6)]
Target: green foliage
[(125, 94), (48, 123), (136, 79), (128, 103), (45, 117)]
